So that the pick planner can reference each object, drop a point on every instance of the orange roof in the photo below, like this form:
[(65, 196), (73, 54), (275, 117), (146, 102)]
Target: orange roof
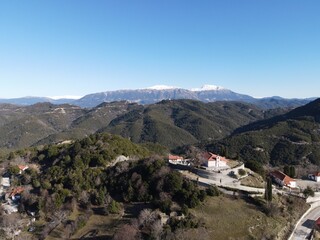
[(16, 191), (283, 177), (213, 157), (175, 157), (22, 167)]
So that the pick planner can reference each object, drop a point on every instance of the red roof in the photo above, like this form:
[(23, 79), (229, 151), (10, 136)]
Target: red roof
[(281, 176), (175, 157), (317, 174), (209, 156), (16, 191), (22, 167), (318, 222)]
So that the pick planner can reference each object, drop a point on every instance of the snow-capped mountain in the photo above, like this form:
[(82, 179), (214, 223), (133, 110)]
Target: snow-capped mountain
[(207, 88), (161, 87), (207, 93)]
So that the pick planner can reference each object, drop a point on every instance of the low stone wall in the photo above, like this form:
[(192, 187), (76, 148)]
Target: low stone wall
[(236, 168)]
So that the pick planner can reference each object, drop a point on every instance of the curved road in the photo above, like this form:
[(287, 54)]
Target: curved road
[(305, 226)]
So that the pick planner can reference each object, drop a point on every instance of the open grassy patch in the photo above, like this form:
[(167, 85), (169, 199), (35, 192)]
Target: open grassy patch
[(253, 180), (104, 225), (232, 163), (229, 218)]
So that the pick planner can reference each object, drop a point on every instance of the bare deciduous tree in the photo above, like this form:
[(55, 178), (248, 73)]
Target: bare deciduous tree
[(127, 232), (156, 229)]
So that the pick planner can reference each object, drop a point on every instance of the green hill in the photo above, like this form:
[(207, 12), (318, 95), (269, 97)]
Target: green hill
[(24, 126), (44, 123), (90, 121), (169, 123), (291, 138), (179, 122)]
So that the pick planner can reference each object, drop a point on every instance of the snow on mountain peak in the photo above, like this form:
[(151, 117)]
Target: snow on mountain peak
[(161, 87), (65, 97), (207, 88)]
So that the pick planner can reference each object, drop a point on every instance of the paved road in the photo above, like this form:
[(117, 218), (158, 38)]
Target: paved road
[(226, 181), (304, 228)]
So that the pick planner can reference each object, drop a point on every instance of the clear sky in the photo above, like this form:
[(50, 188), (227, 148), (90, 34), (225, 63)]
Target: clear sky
[(76, 47)]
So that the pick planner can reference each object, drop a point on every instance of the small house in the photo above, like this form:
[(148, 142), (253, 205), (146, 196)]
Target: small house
[(175, 159), (283, 179), (15, 193), (5, 181), (314, 176), (22, 168)]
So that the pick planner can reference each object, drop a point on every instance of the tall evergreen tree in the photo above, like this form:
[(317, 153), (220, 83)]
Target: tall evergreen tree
[(268, 191), (292, 171)]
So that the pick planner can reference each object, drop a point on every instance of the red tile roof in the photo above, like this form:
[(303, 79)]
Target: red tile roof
[(281, 176), (16, 191), (318, 222), (209, 156), (175, 157), (22, 167)]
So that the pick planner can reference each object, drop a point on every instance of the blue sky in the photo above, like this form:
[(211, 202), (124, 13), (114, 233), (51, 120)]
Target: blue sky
[(76, 47)]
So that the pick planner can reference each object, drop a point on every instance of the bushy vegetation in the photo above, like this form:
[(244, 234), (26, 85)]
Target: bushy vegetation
[(84, 174), (151, 180), (71, 174)]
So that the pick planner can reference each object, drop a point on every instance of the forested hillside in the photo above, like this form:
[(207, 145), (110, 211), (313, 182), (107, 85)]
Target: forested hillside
[(180, 122), (170, 123), (65, 182), (291, 138)]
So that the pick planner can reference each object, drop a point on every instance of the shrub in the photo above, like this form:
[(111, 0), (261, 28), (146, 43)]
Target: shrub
[(114, 207), (213, 191), (308, 192), (242, 172)]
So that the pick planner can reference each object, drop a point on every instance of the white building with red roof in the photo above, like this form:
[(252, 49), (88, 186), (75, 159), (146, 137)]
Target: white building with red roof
[(283, 179), (174, 159), (215, 161)]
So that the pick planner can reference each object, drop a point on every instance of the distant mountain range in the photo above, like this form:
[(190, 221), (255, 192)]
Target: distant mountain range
[(208, 93)]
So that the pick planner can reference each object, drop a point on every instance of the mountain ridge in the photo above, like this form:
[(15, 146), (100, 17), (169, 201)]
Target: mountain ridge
[(207, 93), (169, 122)]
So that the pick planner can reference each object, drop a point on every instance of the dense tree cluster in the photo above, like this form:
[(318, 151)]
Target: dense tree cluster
[(85, 173), (152, 180)]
